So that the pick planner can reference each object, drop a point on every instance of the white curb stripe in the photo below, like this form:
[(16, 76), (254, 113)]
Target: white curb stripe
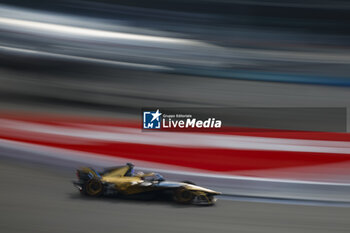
[(176, 139)]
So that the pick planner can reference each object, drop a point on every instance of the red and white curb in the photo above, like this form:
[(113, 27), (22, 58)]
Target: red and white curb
[(277, 155)]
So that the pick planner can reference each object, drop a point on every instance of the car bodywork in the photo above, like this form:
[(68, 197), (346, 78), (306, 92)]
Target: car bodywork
[(122, 181)]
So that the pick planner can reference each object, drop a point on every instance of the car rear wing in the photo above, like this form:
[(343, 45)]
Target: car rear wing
[(87, 173)]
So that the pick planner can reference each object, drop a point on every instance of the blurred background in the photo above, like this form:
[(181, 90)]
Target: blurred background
[(118, 56), (74, 75)]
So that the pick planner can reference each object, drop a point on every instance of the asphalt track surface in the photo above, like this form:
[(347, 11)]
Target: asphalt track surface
[(35, 198)]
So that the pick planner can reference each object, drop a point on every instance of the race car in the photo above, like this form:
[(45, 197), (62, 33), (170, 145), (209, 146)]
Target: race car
[(123, 181)]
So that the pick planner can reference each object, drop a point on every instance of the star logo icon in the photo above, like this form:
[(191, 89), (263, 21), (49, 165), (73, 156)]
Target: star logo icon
[(156, 115), (152, 119)]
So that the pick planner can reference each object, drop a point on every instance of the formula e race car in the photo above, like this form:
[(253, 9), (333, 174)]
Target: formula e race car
[(123, 181)]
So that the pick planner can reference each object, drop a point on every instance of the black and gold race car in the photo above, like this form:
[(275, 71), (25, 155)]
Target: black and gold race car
[(124, 182)]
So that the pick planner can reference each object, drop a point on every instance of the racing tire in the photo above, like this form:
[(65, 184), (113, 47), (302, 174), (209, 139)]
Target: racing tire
[(93, 188), (183, 196)]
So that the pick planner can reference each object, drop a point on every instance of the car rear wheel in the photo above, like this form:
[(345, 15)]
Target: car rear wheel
[(93, 187)]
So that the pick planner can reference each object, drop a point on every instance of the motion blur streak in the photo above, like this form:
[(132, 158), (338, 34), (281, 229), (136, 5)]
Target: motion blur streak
[(216, 51), (226, 153), (133, 135), (55, 28), (84, 59)]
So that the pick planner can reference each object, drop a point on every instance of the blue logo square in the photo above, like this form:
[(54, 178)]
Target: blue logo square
[(152, 120)]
